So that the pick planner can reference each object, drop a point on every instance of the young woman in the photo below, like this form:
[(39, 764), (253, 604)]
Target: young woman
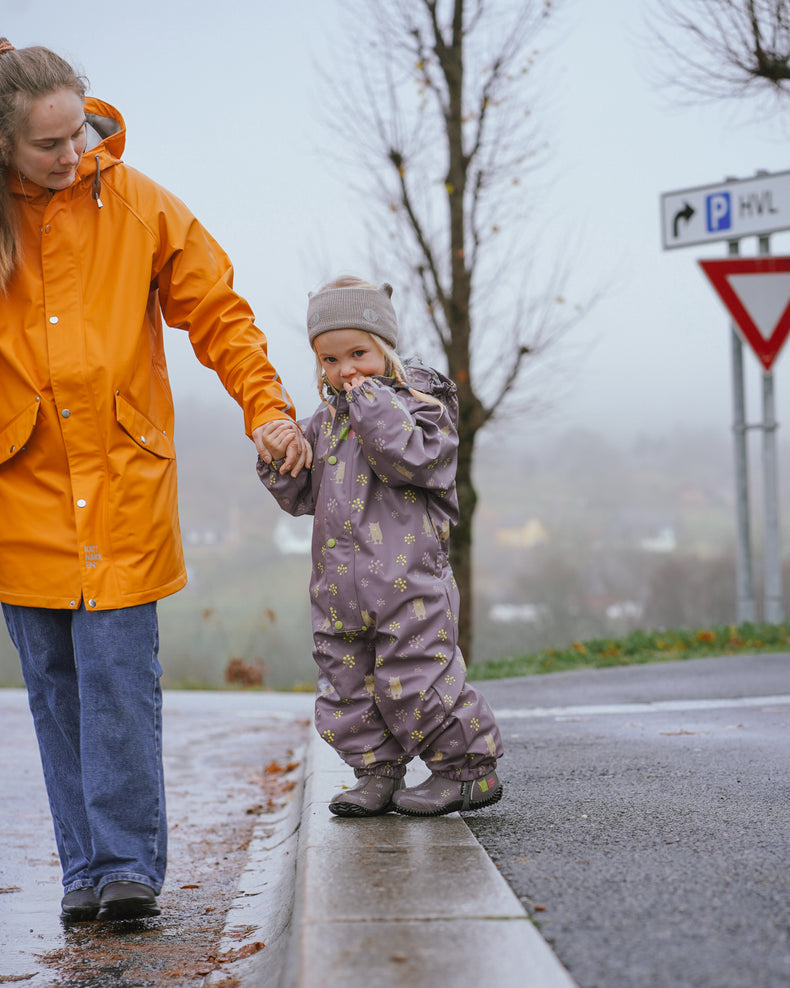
[(91, 254)]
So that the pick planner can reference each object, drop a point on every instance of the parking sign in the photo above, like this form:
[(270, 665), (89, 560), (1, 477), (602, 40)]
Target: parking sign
[(718, 211), (738, 208)]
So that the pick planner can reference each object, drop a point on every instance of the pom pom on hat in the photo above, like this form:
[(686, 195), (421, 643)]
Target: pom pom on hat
[(368, 309)]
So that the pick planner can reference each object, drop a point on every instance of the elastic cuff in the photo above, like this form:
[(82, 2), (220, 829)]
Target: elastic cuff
[(468, 774), (382, 771)]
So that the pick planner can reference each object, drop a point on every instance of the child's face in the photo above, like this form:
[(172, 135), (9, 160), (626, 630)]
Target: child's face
[(347, 356)]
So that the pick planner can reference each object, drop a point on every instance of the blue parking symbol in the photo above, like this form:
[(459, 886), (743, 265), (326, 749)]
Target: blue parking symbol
[(718, 211)]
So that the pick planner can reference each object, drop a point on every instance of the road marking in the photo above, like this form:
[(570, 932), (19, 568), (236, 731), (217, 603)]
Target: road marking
[(657, 706)]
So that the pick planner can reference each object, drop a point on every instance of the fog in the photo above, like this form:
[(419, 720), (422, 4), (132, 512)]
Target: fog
[(577, 535)]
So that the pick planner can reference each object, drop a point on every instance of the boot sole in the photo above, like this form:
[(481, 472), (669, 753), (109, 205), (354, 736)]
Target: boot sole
[(84, 915), (353, 809), (458, 804)]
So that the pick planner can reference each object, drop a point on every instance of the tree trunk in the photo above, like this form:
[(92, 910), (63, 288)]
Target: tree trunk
[(461, 544)]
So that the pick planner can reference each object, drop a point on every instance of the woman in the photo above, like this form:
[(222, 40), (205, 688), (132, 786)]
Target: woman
[(92, 253)]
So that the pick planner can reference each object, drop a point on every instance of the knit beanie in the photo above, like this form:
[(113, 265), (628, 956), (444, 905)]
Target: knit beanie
[(369, 309)]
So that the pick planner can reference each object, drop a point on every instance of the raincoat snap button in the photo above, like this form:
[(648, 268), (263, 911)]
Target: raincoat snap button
[(142, 439), (65, 413), (91, 603), (81, 503), (73, 603), (330, 543), (338, 625), (54, 320), (332, 460), (11, 450)]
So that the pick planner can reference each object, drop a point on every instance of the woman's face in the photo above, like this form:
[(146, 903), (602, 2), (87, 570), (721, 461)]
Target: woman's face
[(50, 146)]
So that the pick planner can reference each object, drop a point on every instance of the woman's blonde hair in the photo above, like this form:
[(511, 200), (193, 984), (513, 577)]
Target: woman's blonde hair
[(393, 364), (25, 75)]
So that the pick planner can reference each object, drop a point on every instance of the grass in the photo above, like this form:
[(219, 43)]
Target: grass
[(641, 647)]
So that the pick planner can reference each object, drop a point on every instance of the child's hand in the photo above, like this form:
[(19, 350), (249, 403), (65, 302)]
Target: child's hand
[(298, 454), (354, 382)]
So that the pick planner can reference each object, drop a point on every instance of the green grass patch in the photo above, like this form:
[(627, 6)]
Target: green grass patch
[(641, 647)]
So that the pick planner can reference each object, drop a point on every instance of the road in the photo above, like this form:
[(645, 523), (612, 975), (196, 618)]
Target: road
[(645, 827), (646, 824)]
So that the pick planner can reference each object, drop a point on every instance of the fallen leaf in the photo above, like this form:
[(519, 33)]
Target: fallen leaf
[(237, 954)]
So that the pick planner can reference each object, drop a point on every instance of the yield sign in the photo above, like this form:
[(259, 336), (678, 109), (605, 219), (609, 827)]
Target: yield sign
[(756, 291)]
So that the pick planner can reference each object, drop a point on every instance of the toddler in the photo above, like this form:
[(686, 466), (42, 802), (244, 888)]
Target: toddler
[(392, 680)]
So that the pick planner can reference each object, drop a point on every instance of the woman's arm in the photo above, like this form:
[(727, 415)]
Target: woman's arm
[(194, 276)]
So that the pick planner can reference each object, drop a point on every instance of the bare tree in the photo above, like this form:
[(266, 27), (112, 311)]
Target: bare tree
[(429, 101), (724, 49)]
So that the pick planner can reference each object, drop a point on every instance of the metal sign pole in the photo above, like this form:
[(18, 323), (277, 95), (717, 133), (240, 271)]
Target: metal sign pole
[(773, 604), (744, 607)]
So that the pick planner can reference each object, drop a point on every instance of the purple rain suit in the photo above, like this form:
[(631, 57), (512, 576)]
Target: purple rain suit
[(392, 680)]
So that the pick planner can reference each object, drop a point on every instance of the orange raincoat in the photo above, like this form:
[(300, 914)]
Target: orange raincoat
[(88, 507)]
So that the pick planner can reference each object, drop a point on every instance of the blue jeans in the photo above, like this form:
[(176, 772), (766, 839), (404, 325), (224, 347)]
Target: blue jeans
[(93, 687)]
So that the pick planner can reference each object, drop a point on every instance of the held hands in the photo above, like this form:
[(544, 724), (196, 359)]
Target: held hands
[(283, 438)]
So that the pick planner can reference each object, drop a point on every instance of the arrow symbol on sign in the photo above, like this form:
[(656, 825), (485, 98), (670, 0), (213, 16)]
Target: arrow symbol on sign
[(682, 214)]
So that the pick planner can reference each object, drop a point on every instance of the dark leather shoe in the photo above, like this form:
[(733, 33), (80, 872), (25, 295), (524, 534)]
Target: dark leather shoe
[(127, 900), (79, 906)]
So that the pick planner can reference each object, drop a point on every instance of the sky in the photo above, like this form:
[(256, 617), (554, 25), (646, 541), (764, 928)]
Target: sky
[(223, 103)]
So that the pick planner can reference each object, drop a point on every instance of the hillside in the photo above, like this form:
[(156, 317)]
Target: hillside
[(576, 537)]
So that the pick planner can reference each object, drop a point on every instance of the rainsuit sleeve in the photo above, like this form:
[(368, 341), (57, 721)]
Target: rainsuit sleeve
[(194, 277), (294, 494), (406, 440)]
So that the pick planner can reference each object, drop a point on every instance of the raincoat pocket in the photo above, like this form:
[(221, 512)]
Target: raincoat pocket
[(16, 433), (142, 430)]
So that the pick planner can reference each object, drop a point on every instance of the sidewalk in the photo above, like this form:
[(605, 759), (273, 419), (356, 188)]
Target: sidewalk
[(380, 902)]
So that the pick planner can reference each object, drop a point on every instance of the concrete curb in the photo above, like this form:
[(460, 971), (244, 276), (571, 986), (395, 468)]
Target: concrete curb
[(390, 901), (262, 910), (378, 902)]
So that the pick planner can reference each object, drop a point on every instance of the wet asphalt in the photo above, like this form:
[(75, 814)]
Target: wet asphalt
[(647, 829)]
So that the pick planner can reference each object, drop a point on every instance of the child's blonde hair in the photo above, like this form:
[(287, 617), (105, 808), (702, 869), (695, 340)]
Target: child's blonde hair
[(393, 364)]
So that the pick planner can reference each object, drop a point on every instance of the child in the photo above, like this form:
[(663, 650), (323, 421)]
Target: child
[(392, 681)]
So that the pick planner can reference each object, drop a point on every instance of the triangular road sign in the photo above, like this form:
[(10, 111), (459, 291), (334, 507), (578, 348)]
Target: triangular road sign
[(756, 291)]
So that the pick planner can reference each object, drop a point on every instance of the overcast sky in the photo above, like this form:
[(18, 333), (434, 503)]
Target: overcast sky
[(221, 103)]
